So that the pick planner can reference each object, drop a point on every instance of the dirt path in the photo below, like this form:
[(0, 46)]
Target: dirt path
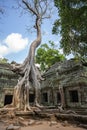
[(2, 126), (46, 125)]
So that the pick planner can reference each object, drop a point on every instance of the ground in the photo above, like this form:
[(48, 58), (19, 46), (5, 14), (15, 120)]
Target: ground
[(14, 120), (46, 125)]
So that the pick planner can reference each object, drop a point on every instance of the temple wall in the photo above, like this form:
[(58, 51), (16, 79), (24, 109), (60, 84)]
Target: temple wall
[(8, 80), (70, 77)]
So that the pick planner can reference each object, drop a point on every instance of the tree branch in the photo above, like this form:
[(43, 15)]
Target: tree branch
[(29, 7), (36, 6), (43, 11)]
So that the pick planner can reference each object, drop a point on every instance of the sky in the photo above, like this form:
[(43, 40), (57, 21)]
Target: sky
[(15, 32)]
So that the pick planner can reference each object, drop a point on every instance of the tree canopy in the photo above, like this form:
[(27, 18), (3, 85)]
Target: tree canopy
[(72, 26), (47, 55), (3, 60)]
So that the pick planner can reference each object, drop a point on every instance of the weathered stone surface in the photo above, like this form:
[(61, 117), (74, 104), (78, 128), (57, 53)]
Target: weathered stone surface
[(69, 76), (23, 123), (23, 113), (8, 79), (72, 117), (39, 123), (53, 123), (63, 78), (83, 125), (21, 118), (31, 122), (65, 123), (12, 127)]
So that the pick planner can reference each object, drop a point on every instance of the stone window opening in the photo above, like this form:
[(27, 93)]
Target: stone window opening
[(8, 99), (31, 97), (74, 96), (58, 98), (45, 97)]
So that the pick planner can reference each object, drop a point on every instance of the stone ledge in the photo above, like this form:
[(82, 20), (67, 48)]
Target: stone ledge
[(72, 117)]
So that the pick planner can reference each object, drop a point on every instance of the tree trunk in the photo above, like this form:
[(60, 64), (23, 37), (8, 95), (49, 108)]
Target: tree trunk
[(62, 96), (30, 76)]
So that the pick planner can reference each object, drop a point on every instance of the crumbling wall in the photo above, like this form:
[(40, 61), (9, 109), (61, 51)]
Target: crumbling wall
[(71, 76), (8, 79)]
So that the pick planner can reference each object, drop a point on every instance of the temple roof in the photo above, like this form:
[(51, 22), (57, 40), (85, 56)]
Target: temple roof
[(66, 73), (64, 66), (6, 70)]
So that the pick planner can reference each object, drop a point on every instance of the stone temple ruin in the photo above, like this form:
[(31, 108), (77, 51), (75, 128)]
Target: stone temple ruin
[(8, 79), (70, 77), (65, 84)]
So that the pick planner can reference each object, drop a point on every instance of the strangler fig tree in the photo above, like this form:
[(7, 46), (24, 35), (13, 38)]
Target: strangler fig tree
[(30, 76)]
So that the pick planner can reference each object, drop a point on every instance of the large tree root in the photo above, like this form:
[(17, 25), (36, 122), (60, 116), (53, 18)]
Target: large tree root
[(30, 78)]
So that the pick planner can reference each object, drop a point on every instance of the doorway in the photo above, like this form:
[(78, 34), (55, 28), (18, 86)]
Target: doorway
[(31, 97), (58, 98), (74, 96), (8, 99)]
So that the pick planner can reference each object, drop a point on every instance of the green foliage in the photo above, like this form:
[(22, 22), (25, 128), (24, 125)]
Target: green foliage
[(47, 55), (3, 60), (72, 26)]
